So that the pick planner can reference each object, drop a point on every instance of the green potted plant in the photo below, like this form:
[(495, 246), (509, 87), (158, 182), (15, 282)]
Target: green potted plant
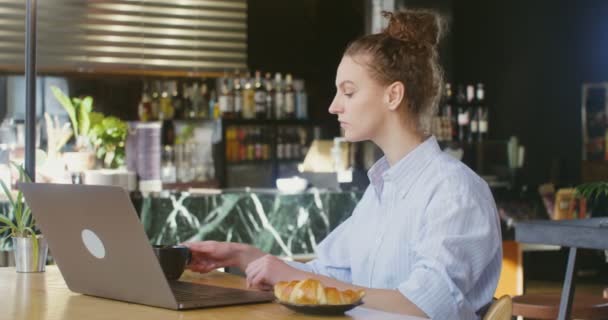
[(592, 190), (108, 136), (80, 112), (30, 248), (587, 194)]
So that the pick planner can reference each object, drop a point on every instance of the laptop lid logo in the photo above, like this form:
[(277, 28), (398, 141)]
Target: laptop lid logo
[(93, 244)]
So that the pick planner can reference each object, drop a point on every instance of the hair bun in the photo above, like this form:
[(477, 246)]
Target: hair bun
[(417, 26)]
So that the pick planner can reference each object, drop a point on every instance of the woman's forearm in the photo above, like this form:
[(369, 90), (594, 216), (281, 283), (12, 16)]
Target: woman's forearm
[(246, 254)]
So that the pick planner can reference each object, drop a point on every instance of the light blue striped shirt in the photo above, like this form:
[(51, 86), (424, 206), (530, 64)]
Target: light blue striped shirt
[(428, 227)]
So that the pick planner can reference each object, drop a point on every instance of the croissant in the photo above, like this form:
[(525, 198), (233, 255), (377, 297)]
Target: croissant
[(312, 292)]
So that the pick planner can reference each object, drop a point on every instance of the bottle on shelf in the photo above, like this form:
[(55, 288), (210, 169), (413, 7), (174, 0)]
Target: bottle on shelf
[(242, 146), (165, 103), (226, 101), (266, 145), (167, 131), (250, 144), (187, 102), (176, 100), (474, 119), (294, 144), (270, 96), (235, 144), (286, 144), (301, 100), (156, 90), (144, 110), (196, 101), (168, 168), (463, 114), (259, 96), (258, 143), (248, 99), (204, 112), (290, 98), (279, 96), (230, 144), (280, 144), (214, 106), (450, 117), (238, 97), (482, 110), (303, 142)]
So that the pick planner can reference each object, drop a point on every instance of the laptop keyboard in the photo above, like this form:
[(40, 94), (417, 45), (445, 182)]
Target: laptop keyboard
[(191, 292)]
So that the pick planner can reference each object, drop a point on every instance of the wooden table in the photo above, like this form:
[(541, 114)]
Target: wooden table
[(45, 296), (584, 233)]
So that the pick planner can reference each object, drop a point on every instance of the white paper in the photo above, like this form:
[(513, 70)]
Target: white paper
[(372, 314)]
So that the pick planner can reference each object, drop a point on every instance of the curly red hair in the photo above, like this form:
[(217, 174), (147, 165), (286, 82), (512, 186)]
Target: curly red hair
[(406, 51)]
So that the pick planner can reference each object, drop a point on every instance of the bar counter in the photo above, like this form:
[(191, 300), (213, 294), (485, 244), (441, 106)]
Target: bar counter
[(45, 296), (278, 223)]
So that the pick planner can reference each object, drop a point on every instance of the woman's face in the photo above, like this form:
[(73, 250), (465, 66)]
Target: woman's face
[(358, 100)]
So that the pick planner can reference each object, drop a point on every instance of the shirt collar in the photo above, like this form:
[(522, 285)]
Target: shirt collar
[(406, 170)]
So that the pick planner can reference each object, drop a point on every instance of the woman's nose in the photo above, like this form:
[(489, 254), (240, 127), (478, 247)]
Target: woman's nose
[(335, 107)]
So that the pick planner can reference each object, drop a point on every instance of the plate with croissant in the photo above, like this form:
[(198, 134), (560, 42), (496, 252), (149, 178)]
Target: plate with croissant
[(310, 296)]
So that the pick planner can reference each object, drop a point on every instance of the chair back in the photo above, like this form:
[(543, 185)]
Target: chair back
[(500, 309)]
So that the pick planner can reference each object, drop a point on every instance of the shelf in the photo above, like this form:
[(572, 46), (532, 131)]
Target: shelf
[(194, 120), (291, 160), (192, 184), (253, 122), (268, 122), (248, 162)]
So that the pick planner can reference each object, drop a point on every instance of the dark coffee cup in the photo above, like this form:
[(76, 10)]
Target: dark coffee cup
[(173, 259)]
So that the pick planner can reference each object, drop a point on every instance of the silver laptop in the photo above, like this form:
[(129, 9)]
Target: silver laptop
[(101, 249)]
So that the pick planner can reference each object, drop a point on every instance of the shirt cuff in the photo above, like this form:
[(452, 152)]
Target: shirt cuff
[(427, 291)]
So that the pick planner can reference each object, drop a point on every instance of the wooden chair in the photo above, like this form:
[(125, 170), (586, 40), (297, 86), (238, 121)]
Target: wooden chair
[(500, 309), (546, 306)]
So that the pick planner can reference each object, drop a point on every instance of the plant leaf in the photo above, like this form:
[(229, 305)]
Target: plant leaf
[(27, 213), (8, 222), (95, 118), (6, 237), (68, 106), (7, 193), (23, 176), (17, 212), (86, 106), (592, 190)]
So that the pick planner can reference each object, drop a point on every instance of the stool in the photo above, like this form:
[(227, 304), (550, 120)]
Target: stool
[(546, 306)]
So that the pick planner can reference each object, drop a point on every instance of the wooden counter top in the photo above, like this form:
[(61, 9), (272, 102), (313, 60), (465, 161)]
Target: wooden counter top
[(45, 296)]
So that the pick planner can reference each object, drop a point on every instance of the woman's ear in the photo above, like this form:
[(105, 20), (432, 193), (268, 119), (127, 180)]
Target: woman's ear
[(394, 95)]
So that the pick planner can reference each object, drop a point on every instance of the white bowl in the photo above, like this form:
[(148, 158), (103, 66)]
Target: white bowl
[(292, 185)]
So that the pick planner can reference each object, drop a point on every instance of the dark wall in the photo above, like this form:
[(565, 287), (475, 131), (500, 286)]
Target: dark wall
[(306, 38), (446, 47), (534, 57), (114, 96)]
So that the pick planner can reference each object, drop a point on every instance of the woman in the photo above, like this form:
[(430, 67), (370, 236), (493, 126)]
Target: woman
[(425, 238)]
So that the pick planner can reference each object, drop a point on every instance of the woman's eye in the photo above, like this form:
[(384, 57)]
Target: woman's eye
[(349, 94)]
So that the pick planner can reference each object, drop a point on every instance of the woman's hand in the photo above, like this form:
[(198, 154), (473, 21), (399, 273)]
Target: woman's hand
[(267, 270), (210, 255)]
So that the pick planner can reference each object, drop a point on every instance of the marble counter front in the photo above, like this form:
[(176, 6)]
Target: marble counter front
[(280, 224)]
